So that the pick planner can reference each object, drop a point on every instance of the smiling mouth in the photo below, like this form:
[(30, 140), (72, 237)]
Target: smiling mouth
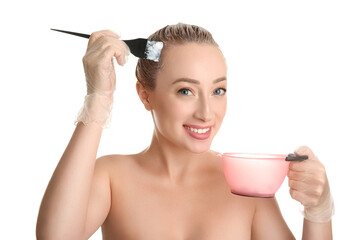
[(198, 130), (198, 133)]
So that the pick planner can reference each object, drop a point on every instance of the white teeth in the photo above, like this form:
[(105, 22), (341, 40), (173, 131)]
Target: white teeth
[(201, 131)]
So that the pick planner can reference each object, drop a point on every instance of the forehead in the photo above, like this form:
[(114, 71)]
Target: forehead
[(193, 60)]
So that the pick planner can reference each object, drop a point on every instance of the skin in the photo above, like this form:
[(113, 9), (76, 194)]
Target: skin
[(175, 188)]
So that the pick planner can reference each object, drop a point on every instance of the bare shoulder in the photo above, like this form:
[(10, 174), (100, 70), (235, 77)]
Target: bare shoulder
[(117, 164), (215, 153), (116, 160)]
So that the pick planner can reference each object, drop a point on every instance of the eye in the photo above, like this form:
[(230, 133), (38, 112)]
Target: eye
[(184, 90), (217, 90)]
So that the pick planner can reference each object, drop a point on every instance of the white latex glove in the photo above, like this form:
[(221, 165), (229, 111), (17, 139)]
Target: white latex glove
[(98, 63), (309, 185)]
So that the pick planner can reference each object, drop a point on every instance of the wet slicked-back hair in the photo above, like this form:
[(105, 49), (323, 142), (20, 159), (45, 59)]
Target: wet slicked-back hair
[(146, 70)]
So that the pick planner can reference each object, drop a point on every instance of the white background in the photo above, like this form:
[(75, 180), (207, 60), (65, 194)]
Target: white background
[(292, 80)]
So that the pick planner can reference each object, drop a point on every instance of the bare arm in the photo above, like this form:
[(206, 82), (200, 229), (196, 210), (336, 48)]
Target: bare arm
[(268, 222), (63, 209), (78, 196), (318, 231)]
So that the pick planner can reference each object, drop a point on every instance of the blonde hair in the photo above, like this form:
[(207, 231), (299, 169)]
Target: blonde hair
[(146, 70)]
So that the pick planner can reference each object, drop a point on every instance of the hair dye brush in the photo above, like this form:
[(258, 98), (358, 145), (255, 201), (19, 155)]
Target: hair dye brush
[(139, 47)]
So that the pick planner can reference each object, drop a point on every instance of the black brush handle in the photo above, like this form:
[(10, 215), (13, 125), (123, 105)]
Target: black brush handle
[(73, 33), (136, 46), (291, 157)]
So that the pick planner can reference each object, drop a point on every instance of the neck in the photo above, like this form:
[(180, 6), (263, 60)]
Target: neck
[(172, 161)]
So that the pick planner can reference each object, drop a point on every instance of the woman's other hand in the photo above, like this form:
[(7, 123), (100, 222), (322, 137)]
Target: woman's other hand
[(309, 185)]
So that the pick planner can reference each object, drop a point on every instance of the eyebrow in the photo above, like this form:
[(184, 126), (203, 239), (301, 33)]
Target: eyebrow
[(196, 81)]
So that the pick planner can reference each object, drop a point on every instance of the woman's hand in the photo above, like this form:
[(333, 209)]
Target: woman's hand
[(99, 64), (309, 185)]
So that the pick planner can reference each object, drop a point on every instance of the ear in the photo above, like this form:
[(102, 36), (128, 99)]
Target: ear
[(143, 95)]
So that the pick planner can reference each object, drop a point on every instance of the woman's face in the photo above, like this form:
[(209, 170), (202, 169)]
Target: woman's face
[(190, 91)]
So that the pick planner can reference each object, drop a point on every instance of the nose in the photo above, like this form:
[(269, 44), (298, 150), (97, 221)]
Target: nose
[(204, 111)]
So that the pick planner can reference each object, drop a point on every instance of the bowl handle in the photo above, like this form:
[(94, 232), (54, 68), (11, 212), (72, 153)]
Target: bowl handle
[(291, 157)]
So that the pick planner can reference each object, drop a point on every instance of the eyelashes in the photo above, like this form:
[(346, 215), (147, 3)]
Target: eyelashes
[(221, 89), (182, 90)]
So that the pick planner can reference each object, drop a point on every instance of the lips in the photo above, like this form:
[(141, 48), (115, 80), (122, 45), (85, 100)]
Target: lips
[(197, 126), (198, 136)]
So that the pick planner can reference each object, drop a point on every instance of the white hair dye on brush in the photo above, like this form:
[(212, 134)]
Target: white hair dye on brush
[(153, 50)]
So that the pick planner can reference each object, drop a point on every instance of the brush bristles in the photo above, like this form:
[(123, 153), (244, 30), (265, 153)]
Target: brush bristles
[(153, 50)]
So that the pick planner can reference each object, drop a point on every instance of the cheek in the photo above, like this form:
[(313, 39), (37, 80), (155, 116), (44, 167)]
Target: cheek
[(220, 108), (177, 110), (170, 110), (224, 108), (171, 114)]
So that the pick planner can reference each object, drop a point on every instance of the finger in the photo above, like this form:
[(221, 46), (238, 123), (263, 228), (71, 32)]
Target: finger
[(298, 196), (121, 44), (305, 150), (294, 175), (298, 185), (117, 35), (121, 58), (305, 198), (309, 178), (96, 35), (105, 43), (121, 54), (299, 166), (309, 166)]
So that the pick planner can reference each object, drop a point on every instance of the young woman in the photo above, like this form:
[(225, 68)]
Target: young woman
[(175, 188)]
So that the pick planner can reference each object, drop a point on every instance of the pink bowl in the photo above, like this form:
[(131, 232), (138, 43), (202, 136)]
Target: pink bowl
[(254, 174)]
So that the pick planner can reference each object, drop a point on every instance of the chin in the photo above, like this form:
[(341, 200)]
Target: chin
[(199, 147), (199, 151)]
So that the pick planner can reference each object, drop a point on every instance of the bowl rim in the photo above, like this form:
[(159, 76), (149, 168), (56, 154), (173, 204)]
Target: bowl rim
[(256, 156)]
